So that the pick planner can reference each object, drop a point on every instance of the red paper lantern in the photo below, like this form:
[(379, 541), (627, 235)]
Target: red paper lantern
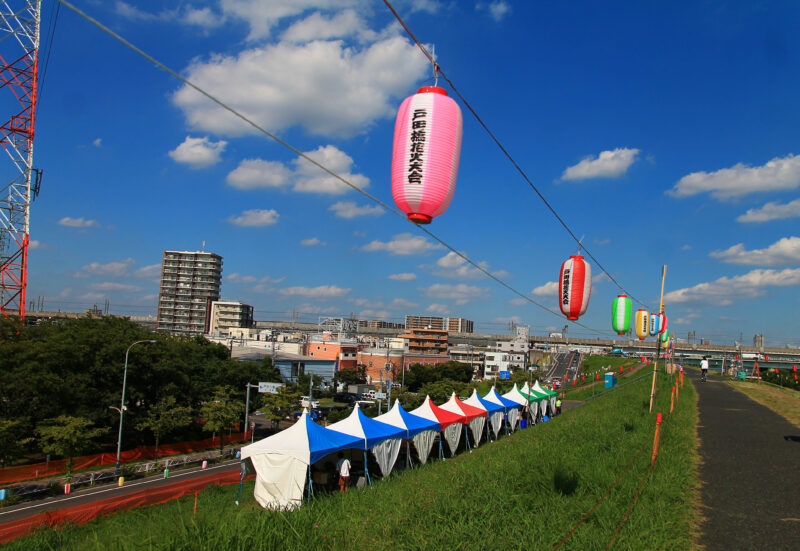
[(766, 358), (574, 286), (794, 368), (427, 146)]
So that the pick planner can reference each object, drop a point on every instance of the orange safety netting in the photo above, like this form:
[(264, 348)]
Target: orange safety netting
[(80, 514), (38, 470)]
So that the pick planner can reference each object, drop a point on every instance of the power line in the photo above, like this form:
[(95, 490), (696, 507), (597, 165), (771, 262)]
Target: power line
[(51, 35), (322, 167), (437, 69)]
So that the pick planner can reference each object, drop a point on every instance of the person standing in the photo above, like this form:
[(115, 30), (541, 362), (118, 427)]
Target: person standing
[(558, 406), (343, 466), (704, 368)]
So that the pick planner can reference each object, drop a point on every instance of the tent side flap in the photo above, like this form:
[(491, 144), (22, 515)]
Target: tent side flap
[(280, 480)]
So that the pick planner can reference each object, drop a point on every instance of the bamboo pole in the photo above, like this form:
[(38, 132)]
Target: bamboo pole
[(658, 340)]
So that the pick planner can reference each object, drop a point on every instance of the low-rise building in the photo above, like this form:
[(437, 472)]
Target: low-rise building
[(224, 315), (425, 342)]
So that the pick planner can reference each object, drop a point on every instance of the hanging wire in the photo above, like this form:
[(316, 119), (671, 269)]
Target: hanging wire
[(49, 48), (504, 150), (322, 167)]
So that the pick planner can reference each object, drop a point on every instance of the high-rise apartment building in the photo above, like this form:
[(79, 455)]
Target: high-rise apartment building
[(225, 315), (189, 281), (452, 325)]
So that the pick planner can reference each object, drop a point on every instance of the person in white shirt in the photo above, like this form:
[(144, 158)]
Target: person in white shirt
[(343, 466), (704, 368)]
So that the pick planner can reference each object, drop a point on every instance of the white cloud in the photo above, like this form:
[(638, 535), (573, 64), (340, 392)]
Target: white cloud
[(112, 286), (599, 278), (323, 291), (453, 266), (78, 222), (497, 10), (686, 247), (548, 289), (311, 179), (34, 244), (609, 164), (257, 173), (198, 152), (402, 304), (98, 142), (403, 244), (740, 179), (92, 296), (784, 252), (319, 27), (375, 314), (403, 277), (604, 241), (723, 291), (236, 277), (326, 87), (200, 17), (772, 211), (153, 271), (441, 309), (316, 309), (312, 242), (255, 218), (262, 16), (119, 268), (303, 177), (461, 293), (510, 319), (349, 209)]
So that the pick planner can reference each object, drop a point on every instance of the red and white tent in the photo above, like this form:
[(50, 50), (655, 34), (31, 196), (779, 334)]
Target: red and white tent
[(449, 421), (474, 418)]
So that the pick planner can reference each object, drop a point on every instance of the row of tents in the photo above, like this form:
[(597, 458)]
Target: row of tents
[(282, 462)]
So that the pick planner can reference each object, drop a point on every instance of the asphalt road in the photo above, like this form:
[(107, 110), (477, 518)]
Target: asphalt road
[(87, 495), (750, 471)]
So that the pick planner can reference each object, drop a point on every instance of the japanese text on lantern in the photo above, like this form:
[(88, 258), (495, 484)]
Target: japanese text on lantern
[(417, 147)]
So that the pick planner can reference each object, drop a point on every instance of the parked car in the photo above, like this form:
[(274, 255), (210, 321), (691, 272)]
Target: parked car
[(345, 397), (304, 402)]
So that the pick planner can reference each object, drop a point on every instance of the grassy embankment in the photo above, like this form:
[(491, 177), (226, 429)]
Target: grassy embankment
[(783, 401), (525, 490), (592, 365)]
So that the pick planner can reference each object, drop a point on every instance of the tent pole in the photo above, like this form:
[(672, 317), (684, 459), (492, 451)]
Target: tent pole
[(241, 481), (441, 452), (366, 469)]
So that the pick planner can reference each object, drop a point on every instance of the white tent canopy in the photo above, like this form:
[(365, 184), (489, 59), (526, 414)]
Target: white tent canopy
[(475, 423), (382, 439), (495, 417), (281, 460)]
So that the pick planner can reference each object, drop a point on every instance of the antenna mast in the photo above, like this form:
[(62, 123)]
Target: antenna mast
[(19, 65)]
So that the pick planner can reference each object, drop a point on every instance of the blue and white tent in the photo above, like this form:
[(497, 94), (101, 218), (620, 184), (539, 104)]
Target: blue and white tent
[(494, 410), (510, 407), (380, 438), (281, 461), (419, 430)]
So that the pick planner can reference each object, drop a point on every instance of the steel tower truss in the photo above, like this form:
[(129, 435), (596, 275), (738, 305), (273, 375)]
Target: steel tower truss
[(19, 59)]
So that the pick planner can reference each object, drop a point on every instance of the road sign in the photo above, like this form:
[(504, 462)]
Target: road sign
[(380, 395), (505, 374), (271, 388)]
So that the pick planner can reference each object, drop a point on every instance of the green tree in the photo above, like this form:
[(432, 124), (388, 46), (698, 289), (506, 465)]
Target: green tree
[(440, 391), (351, 376), (221, 412), (12, 443), (164, 417), (303, 380), (279, 406), (68, 437)]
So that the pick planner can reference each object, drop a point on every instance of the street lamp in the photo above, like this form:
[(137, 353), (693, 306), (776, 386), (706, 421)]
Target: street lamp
[(122, 407)]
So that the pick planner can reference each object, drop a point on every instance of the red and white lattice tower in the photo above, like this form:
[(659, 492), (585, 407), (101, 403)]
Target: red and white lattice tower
[(19, 60)]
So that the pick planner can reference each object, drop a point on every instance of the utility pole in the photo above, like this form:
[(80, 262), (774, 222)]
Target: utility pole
[(248, 386)]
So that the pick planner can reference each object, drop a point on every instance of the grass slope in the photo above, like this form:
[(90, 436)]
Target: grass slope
[(526, 490), (783, 401)]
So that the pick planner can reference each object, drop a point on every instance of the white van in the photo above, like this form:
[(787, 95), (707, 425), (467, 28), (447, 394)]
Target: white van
[(305, 403)]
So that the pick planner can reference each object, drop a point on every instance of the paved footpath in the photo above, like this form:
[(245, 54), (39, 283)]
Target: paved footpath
[(750, 468)]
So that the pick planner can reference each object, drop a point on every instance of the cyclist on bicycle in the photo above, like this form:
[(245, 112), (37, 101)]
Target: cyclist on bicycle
[(703, 368)]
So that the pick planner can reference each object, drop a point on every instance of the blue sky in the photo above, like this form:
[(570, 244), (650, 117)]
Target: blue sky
[(663, 134)]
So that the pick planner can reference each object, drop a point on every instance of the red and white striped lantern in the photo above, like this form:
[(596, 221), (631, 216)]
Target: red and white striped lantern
[(574, 286), (427, 146), (662, 323)]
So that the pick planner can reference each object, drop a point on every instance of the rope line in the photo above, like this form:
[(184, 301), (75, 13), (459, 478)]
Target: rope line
[(299, 153), (633, 502), (438, 69)]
